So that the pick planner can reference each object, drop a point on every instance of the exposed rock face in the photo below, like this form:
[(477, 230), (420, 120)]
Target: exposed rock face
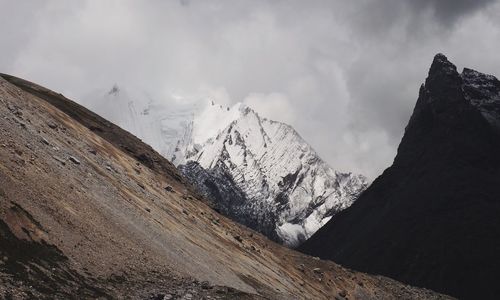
[(218, 185), (481, 90), (431, 219)]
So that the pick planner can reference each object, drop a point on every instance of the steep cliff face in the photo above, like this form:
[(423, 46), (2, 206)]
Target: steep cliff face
[(431, 219), (285, 190)]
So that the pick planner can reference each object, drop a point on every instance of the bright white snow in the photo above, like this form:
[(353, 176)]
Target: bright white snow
[(268, 160)]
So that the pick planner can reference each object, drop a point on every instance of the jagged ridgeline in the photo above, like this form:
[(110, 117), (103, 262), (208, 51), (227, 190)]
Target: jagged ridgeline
[(432, 219), (257, 171)]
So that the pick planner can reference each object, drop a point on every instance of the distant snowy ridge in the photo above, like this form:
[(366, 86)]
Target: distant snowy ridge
[(257, 171)]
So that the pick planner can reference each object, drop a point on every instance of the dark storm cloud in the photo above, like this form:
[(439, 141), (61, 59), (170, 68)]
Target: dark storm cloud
[(448, 12), (345, 74), (413, 17)]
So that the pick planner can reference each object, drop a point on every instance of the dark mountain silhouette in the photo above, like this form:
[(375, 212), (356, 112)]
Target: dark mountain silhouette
[(432, 219)]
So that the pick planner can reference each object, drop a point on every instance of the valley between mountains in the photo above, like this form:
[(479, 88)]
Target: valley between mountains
[(88, 211)]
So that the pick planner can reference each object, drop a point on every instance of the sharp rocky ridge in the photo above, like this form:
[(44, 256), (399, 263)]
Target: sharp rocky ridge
[(431, 219), (257, 171)]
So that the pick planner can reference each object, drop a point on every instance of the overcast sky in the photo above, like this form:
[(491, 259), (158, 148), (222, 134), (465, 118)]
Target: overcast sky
[(345, 74)]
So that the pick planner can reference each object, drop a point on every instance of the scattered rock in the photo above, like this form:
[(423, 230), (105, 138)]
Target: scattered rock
[(52, 125), (141, 185), (74, 160), (343, 293), (169, 189), (238, 238), (148, 209), (109, 168), (317, 271), (44, 140), (59, 159), (93, 151), (161, 297), (220, 291), (301, 268), (185, 212), (205, 285)]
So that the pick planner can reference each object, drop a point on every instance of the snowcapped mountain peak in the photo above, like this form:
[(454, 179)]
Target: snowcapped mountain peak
[(210, 119), (281, 176), (258, 171)]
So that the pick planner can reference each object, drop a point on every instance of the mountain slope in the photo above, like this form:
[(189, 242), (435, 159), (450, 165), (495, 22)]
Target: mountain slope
[(286, 191), (87, 211), (431, 219)]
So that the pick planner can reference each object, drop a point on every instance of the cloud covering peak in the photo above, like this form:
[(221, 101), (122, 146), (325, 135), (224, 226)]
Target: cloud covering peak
[(345, 74)]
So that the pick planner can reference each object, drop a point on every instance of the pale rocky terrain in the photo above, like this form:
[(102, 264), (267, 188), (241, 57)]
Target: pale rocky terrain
[(89, 211)]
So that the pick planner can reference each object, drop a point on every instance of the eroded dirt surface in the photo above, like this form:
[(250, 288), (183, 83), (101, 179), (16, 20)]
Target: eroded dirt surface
[(94, 213)]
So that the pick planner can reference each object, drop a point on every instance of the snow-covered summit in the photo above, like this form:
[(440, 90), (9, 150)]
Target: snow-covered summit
[(173, 127), (282, 181), (275, 168)]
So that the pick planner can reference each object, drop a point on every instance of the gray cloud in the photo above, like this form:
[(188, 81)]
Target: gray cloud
[(345, 74), (449, 11)]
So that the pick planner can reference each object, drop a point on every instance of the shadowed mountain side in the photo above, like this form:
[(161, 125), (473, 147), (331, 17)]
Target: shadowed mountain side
[(432, 218)]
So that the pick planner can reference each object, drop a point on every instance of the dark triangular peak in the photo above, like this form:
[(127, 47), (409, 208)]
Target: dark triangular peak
[(443, 82), (432, 218), (442, 89), (442, 117), (440, 67)]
